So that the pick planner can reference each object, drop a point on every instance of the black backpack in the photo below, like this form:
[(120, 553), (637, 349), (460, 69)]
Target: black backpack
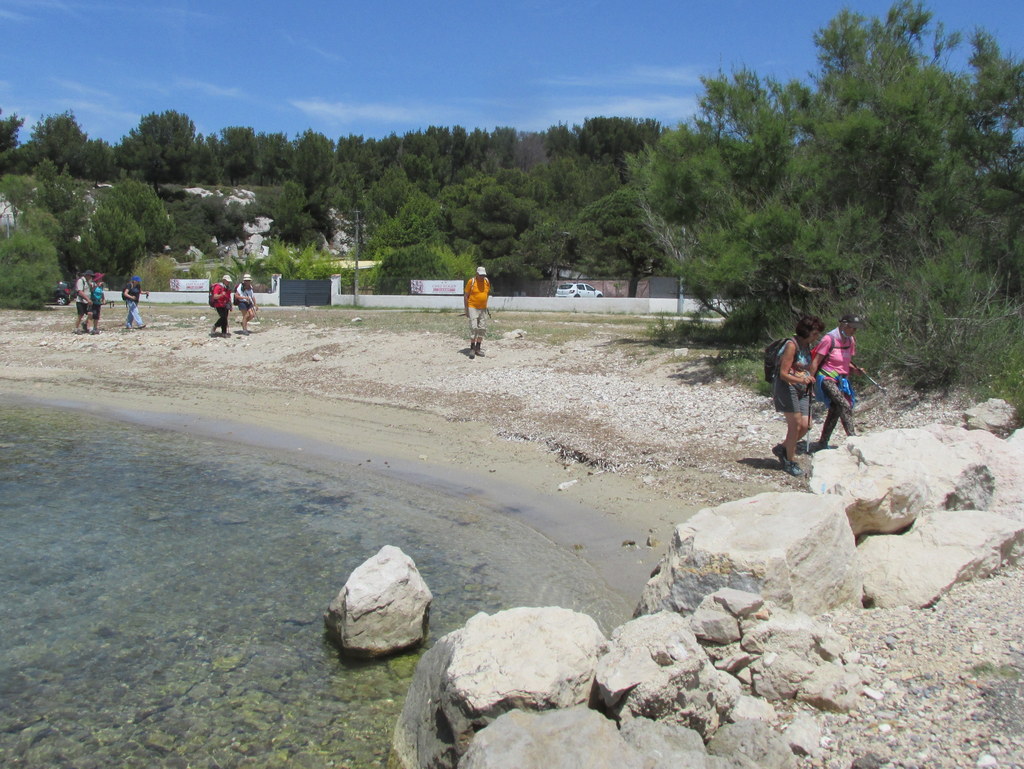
[(772, 353)]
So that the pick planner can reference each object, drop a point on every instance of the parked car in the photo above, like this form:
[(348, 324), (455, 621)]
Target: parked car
[(577, 290), (63, 293)]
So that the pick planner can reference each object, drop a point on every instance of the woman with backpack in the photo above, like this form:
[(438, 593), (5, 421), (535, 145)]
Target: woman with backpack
[(220, 300), (792, 388)]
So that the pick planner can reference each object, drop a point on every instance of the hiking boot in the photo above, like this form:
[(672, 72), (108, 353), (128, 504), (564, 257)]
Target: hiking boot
[(479, 351), (472, 352), (780, 452), (792, 468), (817, 446), (802, 448)]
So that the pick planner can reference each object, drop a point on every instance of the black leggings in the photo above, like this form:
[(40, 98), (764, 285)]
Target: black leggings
[(222, 320), (840, 410)]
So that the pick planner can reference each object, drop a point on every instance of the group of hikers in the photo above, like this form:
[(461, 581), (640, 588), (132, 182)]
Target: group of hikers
[(90, 294), (811, 363), (222, 297)]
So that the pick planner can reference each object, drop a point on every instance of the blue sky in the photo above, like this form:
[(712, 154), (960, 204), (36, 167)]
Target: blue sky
[(373, 68)]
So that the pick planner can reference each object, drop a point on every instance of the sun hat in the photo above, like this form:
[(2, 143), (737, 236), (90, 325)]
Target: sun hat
[(98, 275), (246, 277), (851, 319), (226, 279), (481, 271)]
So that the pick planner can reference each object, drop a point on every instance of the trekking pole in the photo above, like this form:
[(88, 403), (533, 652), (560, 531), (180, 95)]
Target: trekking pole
[(866, 376)]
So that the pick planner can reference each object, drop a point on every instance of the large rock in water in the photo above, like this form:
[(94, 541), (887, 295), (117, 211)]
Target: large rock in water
[(525, 658), (792, 548), (943, 548), (383, 608)]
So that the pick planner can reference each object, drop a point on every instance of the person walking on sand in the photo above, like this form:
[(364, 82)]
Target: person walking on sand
[(478, 290), (83, 301), (832, 361), (96, 298), (131, 294), (791, 390), (222, 304), (245, 298)]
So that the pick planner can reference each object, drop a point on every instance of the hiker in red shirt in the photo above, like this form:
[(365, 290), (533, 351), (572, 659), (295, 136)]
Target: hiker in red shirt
[(220, 300)]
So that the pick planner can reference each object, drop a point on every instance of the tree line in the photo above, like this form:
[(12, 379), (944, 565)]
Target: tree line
[(527, 204)]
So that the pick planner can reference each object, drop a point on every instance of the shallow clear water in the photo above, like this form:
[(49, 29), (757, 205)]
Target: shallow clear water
[(161, 597)]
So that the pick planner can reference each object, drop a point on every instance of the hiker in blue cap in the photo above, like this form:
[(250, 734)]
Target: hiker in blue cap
[(131, 294)]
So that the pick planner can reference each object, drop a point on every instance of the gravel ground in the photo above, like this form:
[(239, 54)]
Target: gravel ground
[(945, 682), (947, 679)]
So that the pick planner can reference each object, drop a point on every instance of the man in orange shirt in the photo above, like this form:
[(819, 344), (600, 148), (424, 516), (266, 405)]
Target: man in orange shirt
[(478, 289)]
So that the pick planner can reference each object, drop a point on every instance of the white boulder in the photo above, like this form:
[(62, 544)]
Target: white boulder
[(994, 415), (383, 608), (891, 477), (792, 548), (656, 669), (525, 658), (943, 548), (558, 739)]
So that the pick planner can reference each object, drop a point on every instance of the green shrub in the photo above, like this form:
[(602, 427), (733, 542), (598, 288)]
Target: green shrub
[(29, 266), (156, 273), (943, 325)]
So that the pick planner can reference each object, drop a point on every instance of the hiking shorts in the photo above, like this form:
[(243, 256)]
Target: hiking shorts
[(789, 399), (94, 311), (477, 321)]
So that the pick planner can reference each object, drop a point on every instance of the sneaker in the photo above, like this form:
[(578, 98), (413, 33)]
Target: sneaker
[(817, 446), (792, 468), (801, 447), (142, 326)]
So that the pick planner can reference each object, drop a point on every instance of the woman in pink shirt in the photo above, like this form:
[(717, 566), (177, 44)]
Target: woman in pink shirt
[(833, 364)]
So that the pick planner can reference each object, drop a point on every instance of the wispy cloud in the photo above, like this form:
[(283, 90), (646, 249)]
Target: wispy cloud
[(636, 76), (104, 112), (13, 16), (347, 112), (81, 89), (310, 47), (210, 89)]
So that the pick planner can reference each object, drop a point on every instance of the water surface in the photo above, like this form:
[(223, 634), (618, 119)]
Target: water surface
[(161, 596)]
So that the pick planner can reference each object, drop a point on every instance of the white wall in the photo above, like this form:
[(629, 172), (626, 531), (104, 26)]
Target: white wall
[(510, 303)]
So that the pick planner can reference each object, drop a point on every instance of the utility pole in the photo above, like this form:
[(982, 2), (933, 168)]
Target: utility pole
[(355, 272)]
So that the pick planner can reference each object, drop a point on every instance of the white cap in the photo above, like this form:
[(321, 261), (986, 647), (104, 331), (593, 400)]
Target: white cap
[(481, 271)]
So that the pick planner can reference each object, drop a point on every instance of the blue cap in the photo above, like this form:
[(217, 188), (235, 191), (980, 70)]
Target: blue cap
[(136, 279)]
